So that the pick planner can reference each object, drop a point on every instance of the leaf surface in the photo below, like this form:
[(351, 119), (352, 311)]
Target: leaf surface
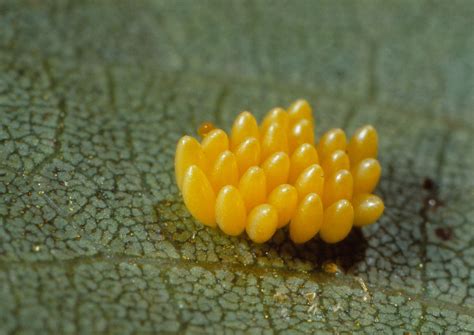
[(94, 236)]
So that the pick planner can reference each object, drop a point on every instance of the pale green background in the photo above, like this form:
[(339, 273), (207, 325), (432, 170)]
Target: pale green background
[(94, 95)]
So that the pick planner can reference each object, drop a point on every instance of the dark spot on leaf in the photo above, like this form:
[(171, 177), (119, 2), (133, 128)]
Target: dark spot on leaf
[(431, 201), (429, 184), (444, 233)]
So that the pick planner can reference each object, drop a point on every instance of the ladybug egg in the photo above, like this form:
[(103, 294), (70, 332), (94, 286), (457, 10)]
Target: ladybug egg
[(285, 200), (337, 222), (262, 223), (199, 197), (337, 186), (277, 169), (363, 144), (298, 110), (301, 132), (253, 187), (367, 208), (274, 140), (244, 126), (215, 142), (188, 152), (332, 140), (307, 220), (276, 115), (304, 156), (248, 154), (205, 128), (366, 175), (311, 180), (231, 214), (225, 171), (337, 160)]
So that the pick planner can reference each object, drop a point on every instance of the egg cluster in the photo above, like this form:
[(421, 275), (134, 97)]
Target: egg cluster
[(266, 176)]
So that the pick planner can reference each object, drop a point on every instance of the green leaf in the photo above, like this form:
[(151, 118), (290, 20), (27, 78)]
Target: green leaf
[(94, 236)]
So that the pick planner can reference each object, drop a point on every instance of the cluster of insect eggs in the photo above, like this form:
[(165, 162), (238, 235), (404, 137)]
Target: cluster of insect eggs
[(265, 177)]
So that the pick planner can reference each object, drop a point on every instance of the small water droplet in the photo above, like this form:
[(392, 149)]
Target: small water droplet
[(36, 248)]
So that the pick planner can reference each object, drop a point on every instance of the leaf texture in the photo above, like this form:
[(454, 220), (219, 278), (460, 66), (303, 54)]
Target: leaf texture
[(94, 236)]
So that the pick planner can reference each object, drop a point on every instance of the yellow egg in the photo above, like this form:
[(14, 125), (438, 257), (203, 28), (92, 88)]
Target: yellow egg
[(298, 110), (307, 220), (274, 140), (198, 196), (205, 128), (215, 142), (276, 115), (332, 140), (231, 214), (337, 160), (244, 126), (277, 169), (301, 132), (285, 200), (225, 171), (253, 187), (368, 208), (337, 223), (188, 152), (366, 175), (363, 144), (248, 154), (262, 223), (304, 156), (311, 180), (337, 186)]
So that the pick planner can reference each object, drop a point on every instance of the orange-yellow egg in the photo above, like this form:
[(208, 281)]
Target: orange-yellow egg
[(277, 170), (285, 200), (262, 223), (298, 110), (205, 128), (301, 132), (337, 223), (304, 156), (215, 142), (332, 140), (274, 140), (225, 171), (253, 187), (363, 144), (245, 126), (366, 175), (337, 186), (311, 180), (276, 115), (248, 154), (368, 208), (337, 160), (231, 214), (188, 152), (307, 220), (198, 196)]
